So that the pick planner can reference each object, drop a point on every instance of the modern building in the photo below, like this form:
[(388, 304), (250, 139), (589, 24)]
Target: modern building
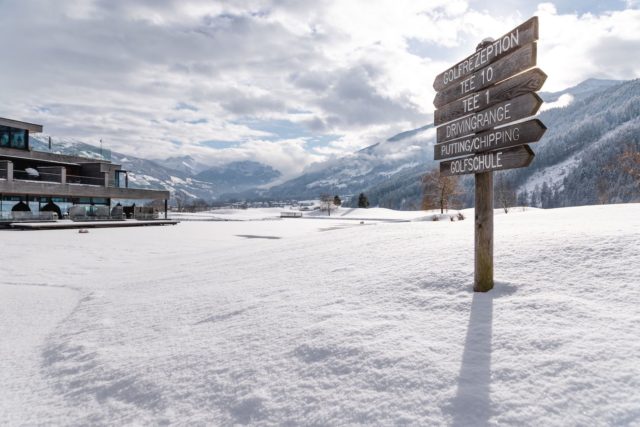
[(35, 182)]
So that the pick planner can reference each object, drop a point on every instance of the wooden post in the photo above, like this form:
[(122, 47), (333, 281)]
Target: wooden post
[(477, 101), (483, 278), (166, 209)]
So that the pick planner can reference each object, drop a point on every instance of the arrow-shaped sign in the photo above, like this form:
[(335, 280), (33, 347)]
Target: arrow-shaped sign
[(525, 33), (504, 137), (530, 81), (509, 66), (500, 114), (511, 158)]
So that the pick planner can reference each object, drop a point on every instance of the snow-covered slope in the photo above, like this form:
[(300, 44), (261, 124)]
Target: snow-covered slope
[(239, 176), (317, 322), (581, 147), (588, 128), (370, 166), (185, 164)]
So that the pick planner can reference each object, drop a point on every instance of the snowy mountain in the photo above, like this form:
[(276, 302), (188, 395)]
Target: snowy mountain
[(239, 176), (185, 164), (586, 88), (143, 173), (186, 178), (589, 126), (371, 166), (577, 160)]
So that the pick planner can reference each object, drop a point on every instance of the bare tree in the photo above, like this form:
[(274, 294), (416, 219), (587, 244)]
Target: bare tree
[(439, 192), (523, 199), (181, 201), (326, 202), (630, 162), (504, 193)]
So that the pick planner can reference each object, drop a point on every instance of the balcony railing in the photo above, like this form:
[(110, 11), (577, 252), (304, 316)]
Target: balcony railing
[(27, 216), (86, 151), (31, 175), (87, 180)]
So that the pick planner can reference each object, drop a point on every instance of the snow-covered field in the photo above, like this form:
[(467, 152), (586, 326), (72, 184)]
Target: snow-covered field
[(316, 322), (378, 214)]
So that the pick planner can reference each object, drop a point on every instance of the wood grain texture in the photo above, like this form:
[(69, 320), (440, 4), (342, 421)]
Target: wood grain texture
[(530, 81), (483, 254), (500, 114), (509, 136), (515, 63), (510, 158), (527, 33)]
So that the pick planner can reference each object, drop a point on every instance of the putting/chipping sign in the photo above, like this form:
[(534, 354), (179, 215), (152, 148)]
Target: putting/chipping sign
[(478, 101), (508, 136)]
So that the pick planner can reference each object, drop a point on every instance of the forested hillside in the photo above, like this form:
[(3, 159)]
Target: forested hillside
[(578, 161)]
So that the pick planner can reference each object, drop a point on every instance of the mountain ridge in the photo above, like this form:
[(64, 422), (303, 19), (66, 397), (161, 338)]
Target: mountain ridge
[(579, 119)]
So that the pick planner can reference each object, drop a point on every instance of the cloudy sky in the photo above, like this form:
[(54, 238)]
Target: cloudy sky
[(283, 82)]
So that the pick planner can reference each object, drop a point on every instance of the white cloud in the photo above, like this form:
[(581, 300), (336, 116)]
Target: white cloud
[(563, 101), (575, 47), (358, 70)]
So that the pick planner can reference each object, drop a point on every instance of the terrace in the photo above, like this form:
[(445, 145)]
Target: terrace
[(35, 182)]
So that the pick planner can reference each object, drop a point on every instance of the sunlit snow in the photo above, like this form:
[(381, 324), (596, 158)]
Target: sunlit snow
[(324, 322)]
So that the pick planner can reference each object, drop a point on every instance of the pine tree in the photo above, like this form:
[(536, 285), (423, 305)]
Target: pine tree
[(363, 202)]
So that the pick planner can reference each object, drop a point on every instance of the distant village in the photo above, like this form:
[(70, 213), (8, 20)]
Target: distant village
[(200, 205)]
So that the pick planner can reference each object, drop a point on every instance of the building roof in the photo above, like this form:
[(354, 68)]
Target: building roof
[(31, 127), (40, 156)]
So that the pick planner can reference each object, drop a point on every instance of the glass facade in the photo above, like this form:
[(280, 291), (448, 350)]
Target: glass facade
[(13, 138), (121, 179)]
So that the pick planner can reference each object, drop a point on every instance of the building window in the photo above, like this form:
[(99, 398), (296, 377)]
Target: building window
[(14, 138), (5, 136), (121, 179), (18, 139)]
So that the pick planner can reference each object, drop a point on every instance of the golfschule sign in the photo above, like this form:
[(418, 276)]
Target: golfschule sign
[(482, 106)]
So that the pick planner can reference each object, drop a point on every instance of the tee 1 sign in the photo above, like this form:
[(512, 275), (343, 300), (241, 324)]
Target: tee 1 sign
[(483, 103)]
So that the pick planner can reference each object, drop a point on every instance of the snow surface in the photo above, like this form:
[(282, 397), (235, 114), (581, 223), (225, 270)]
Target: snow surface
[(255, 214), (313, 322)]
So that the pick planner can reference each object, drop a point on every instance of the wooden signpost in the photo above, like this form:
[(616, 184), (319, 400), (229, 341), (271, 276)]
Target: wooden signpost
[(478, 100)]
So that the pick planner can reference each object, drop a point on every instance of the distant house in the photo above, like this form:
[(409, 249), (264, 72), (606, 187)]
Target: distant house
[(36, 182)]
